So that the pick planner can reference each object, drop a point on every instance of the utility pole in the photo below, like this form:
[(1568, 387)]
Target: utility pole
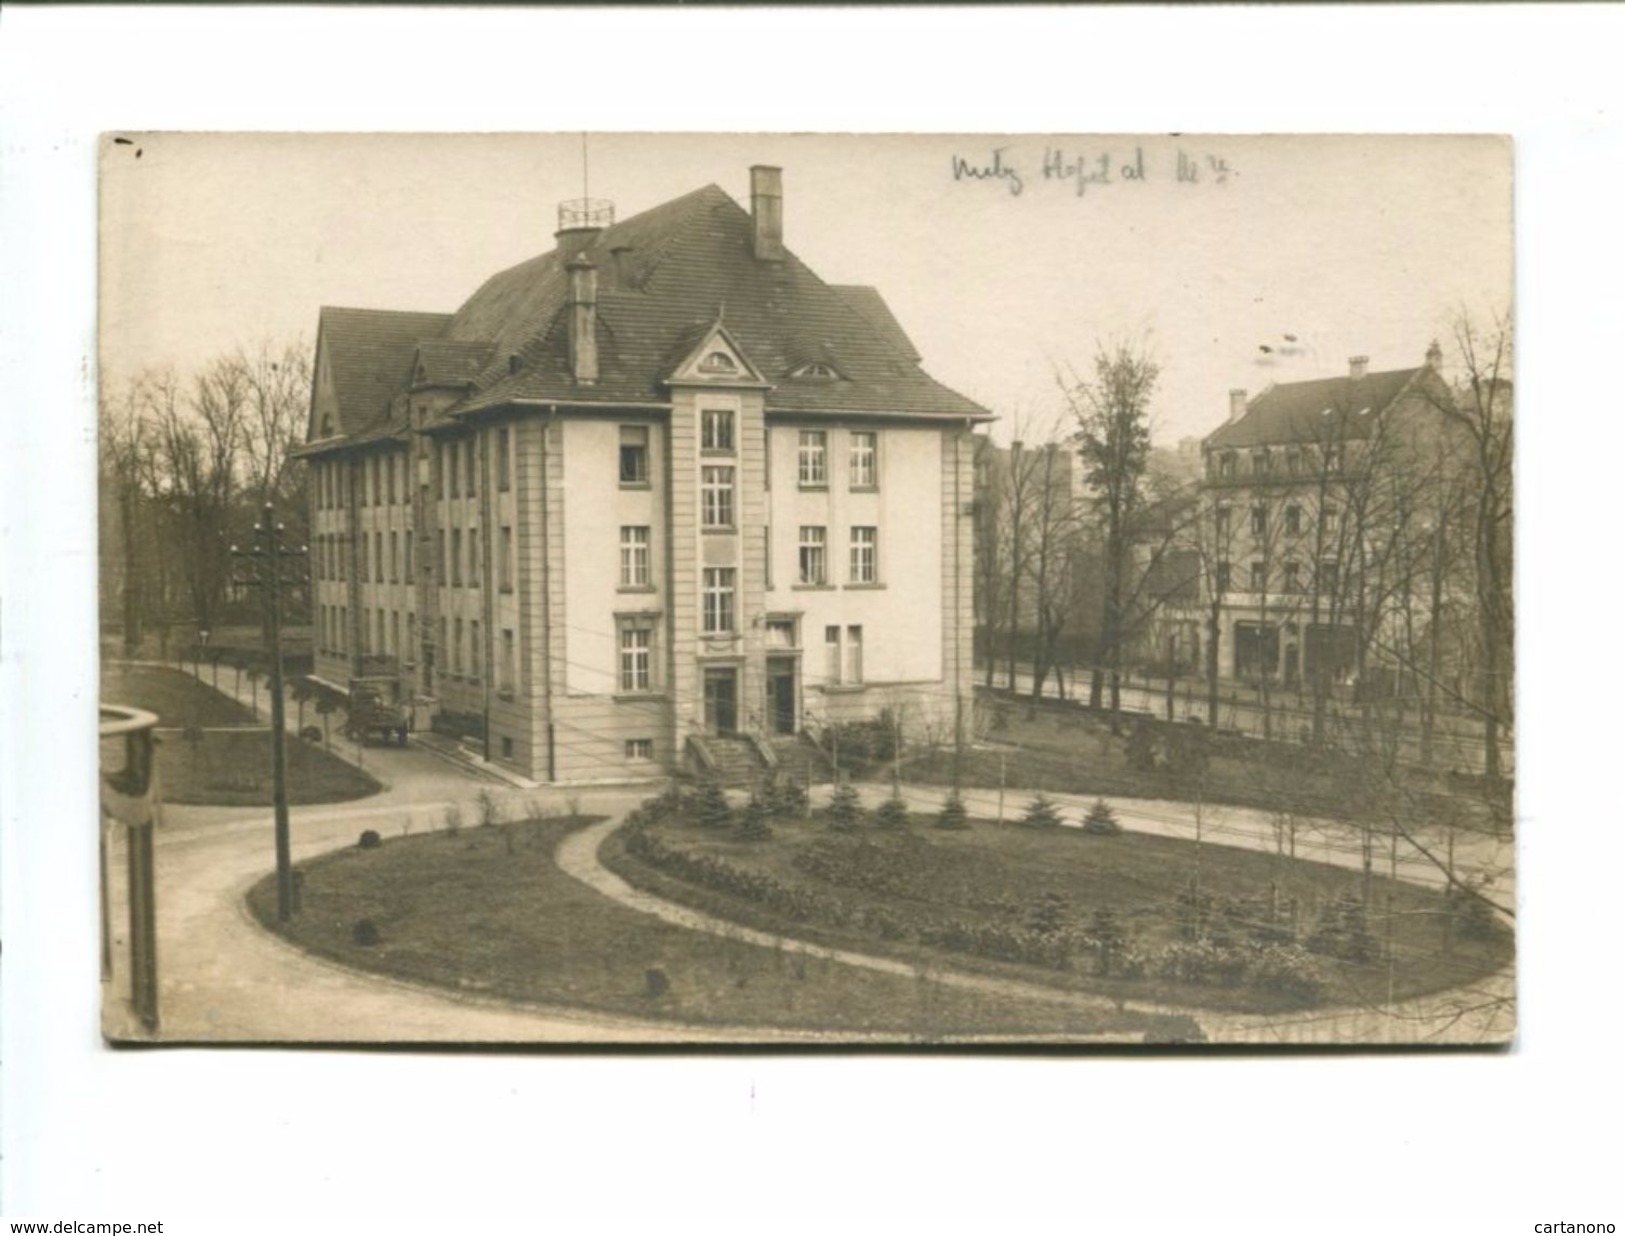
[(264, 565)]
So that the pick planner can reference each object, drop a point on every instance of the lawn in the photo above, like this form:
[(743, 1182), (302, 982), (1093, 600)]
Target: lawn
[(1026, 903), (220, 766), (1063, 748), (486, 910), (177, 698), (232, 768)]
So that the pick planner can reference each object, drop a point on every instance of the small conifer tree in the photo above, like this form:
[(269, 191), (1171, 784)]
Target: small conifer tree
[(953, 815), (1101, 820), (1041, 813), (845, 807)]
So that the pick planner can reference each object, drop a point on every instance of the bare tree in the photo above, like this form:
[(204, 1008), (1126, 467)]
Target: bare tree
[(1114, 440)]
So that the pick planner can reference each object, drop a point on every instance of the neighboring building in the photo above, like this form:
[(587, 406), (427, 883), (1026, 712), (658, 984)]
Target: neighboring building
[(657, 484), (1301, 486)]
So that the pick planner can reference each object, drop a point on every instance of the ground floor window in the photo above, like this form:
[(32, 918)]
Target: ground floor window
[(1258, 649), (640, 749)]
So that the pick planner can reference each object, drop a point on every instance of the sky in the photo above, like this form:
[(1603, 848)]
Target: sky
[(1008, 259)]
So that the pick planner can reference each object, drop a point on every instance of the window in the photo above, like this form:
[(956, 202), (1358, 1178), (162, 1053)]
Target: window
[(716, 496), (1290, 581), (390, 462), (373, 468), (394, 557), (1294, 461), (475, 664), (1256, 577), (811, 459), (1261, 462), (468, 465), (1227, 465), (812, 555), (637, 646), (717, 431), (634, 454), (505, 683), (816, 369), (718, 362), (456, 557), (1328, 520), (1221, 521), (1294, 519), (861, 461), (406, 553), (1221, 578), (381, 648), (505, 566), (457, 646), (1261, 519), (863, 555), (473, 557), (507, 747), (832, 654), (640, 748), (395, 631), (444, 655), (440, 553), (452, 469), (719, 600), (781, 632), (411, 637), (1328, 578), (854, 654), (504, 451), (634, 556)]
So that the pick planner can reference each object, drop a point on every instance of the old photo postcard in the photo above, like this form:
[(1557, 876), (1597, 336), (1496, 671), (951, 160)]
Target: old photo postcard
[(656, 588)]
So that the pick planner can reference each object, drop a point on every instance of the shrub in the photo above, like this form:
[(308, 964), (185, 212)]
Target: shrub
[(893, 813), (1290, 971), (311, 733), (365, 933), (789, 798), (1141, 749), (1101, 820), (370, 840), (1342, 931), (845, 807), (488, 809), (1041, 813), (1110, 941), (453, 818), (953, 815), (1047, 914), (753, 820), (711, 804)]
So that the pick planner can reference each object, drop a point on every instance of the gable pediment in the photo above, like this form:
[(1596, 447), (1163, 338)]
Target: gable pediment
[(717, 360)]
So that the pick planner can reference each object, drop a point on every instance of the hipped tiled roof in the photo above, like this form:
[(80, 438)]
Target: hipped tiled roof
[(1315, 411), (369, 354), (664, 276)]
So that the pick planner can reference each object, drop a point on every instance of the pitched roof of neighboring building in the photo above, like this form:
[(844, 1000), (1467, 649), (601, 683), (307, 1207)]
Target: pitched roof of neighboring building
[(663, 276), (369, 354), (1307, 412)]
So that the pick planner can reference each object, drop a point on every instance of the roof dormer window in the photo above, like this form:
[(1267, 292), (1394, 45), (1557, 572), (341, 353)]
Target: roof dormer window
[(816, 369), (718, 362)]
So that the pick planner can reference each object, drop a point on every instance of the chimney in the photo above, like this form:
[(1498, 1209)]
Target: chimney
[(1238, 405), (583, 323), (767, 212), (1435, 356), (1357, 366)]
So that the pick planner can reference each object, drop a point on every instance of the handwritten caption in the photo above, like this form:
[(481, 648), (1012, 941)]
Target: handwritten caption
[(1081, 171)]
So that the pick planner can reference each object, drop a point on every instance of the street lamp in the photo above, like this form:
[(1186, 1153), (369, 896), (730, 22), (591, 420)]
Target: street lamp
[(264, 565)]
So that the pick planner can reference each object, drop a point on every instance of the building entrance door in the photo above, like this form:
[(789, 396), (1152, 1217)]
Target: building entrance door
[(721, 701), (781, 694)]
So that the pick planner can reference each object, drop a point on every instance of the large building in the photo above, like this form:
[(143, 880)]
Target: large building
[(1309, 496), (654, 489)]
